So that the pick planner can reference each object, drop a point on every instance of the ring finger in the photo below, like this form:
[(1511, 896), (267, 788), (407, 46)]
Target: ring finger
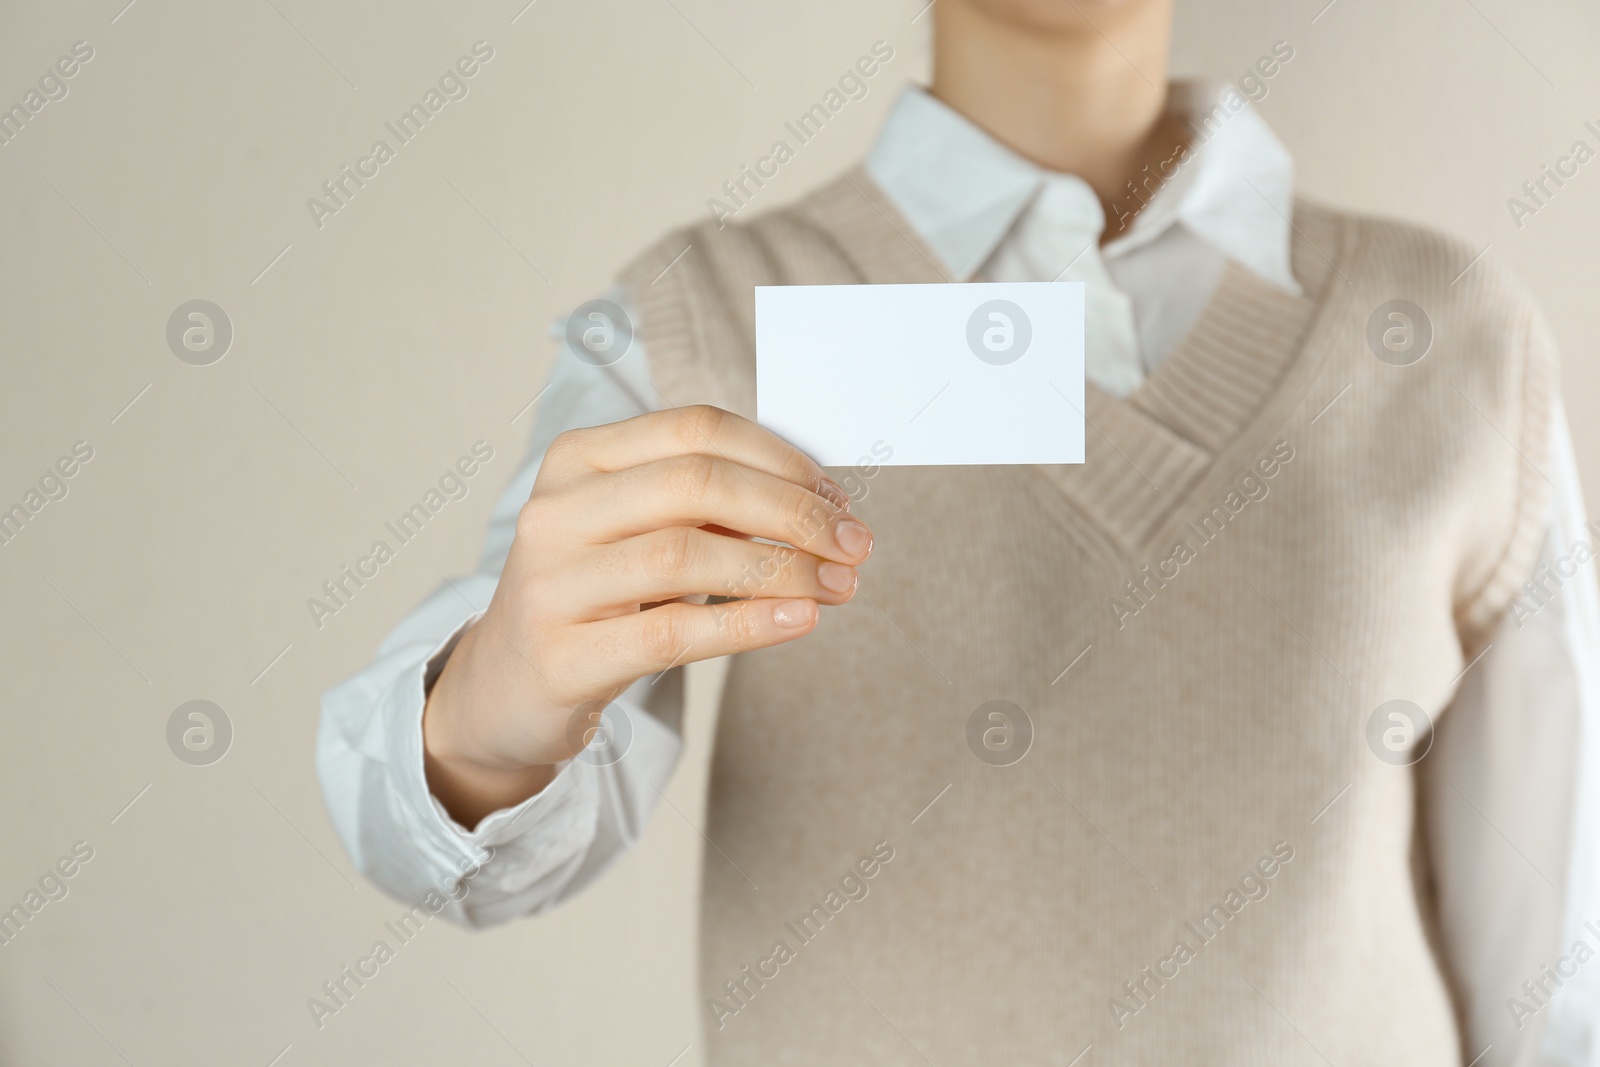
[(681, 561)]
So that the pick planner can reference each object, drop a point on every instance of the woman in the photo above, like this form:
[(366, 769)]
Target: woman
[(1195, 828)]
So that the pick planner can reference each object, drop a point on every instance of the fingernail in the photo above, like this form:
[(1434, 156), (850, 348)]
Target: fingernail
[(835, 492), (836, 576), (793, 614), (854, 538)]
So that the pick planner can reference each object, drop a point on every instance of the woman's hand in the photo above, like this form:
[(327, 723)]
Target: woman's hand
[(629, 525)]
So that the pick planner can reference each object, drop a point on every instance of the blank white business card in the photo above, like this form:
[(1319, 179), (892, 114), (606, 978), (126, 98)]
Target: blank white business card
[(983, 372)]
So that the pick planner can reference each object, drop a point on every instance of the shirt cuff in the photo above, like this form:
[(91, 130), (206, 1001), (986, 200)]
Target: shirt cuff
[(549, 827)]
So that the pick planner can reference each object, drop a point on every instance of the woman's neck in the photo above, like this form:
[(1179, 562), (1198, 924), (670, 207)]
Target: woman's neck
[(1087, 99)]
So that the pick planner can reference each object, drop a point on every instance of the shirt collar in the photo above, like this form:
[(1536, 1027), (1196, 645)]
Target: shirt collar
[(963, 190)]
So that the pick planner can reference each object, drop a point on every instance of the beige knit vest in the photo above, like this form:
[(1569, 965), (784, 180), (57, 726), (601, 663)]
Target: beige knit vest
[(1199, 858)]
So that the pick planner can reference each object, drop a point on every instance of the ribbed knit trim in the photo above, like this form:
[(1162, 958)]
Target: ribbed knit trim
[(658, 287), (1133, 468), (1234, 355), (871, 232), (1219, 381), (1480, 614)]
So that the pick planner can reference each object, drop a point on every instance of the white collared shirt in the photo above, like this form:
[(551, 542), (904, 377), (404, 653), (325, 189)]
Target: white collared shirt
[(988, 213), (992, 215)]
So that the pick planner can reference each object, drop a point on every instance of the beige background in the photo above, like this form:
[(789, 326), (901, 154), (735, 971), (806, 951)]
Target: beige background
[(376, 350)]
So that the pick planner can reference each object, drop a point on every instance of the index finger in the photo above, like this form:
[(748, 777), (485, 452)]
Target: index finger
[(707, 430)]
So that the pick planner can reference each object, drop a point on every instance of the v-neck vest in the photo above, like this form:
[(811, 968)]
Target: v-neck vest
[(1124, 728)]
